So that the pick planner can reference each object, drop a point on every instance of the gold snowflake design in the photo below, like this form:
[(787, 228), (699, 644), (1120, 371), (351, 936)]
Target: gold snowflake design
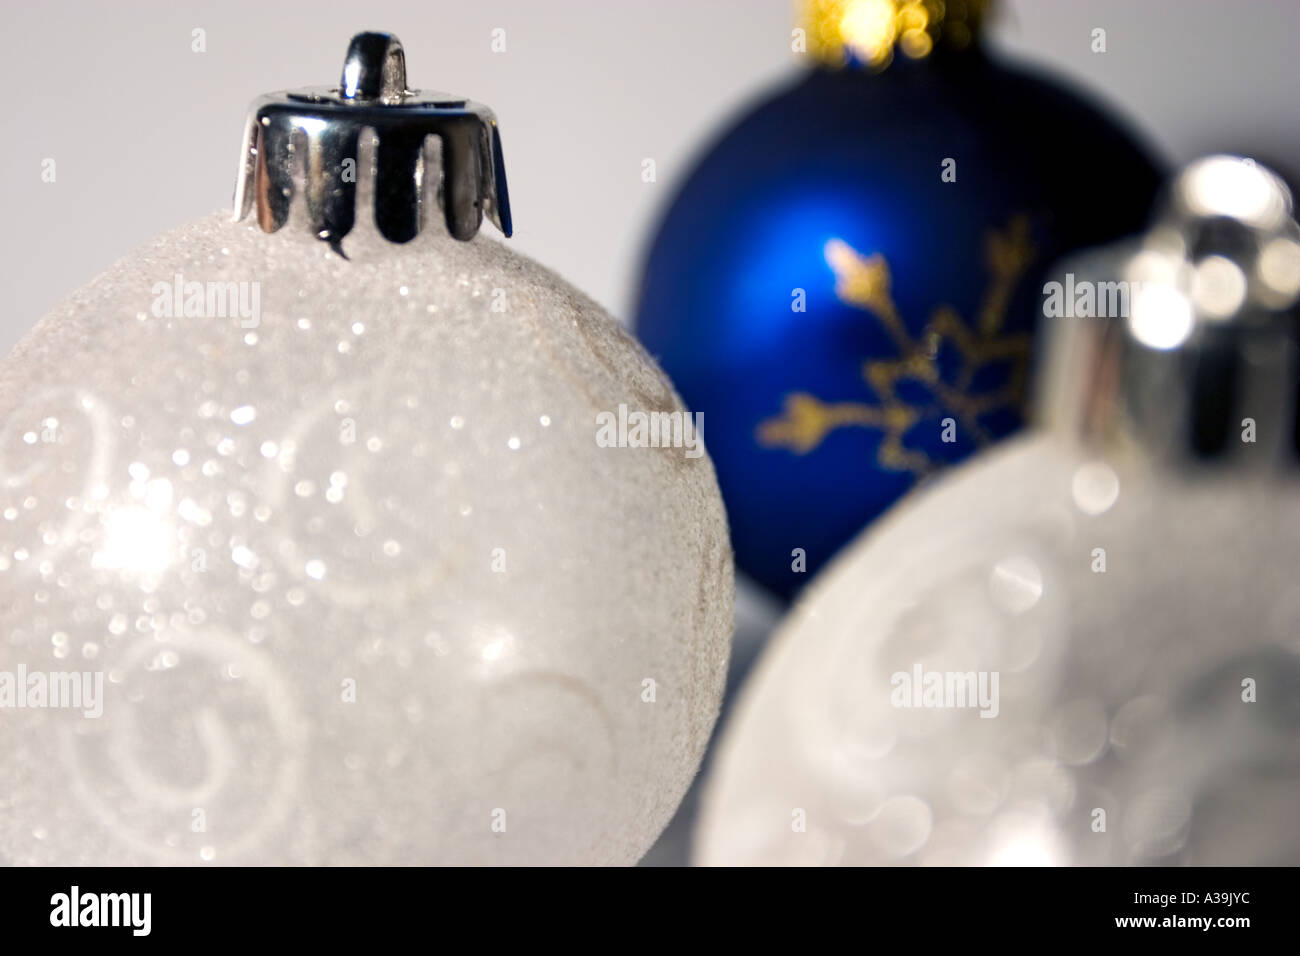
[(864, 281)]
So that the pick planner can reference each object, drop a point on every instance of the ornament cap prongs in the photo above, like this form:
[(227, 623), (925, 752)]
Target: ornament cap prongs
[(1188, 349), (407, 152)]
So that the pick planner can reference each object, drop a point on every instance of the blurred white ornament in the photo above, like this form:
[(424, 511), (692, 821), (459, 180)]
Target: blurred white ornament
[(359, 581), (1084, 648)]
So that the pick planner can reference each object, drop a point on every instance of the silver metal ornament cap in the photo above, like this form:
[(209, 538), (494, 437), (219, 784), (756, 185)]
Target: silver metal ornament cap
[(1182, 347), (421, 150)]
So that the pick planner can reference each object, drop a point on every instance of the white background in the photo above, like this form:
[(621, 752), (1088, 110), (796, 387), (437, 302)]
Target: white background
[(145, 133)]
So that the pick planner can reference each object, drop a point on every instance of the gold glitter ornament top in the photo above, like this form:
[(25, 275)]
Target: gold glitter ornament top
[(867, 32)]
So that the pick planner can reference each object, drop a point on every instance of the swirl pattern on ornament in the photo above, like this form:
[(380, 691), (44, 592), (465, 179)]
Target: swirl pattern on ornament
[(200, 751), (346, 493)]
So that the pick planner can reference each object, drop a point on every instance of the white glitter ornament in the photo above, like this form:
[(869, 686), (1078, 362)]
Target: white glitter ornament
[(361, 585), (1084, 648)]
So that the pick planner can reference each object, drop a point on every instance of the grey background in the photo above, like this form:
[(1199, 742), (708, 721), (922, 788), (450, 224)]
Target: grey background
[(145, 132)]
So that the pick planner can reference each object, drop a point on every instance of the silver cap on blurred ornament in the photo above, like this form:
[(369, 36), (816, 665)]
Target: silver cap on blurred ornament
[(1181, 348), (320, 153)]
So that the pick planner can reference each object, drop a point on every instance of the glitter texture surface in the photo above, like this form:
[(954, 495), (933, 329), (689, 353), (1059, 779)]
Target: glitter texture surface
[(361, 583), (1120, 690)]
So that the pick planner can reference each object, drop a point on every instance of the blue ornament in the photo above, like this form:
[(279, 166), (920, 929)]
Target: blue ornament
[(847, 285)]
